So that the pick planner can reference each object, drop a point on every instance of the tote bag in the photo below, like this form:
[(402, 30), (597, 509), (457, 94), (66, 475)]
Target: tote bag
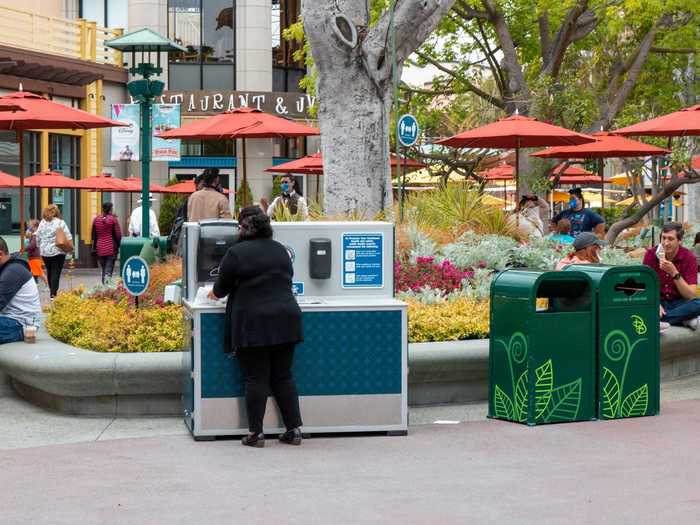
[(62, 241)]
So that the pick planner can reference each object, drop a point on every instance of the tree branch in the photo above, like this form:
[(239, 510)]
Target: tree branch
[(471, 87), (545, 38), (469, 13), (515, 82), (413, 21), (679, 50), (618, 90), (692, 177), (565, 36)]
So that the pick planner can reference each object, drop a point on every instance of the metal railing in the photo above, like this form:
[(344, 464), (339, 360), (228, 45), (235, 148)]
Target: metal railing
[(58, 36)]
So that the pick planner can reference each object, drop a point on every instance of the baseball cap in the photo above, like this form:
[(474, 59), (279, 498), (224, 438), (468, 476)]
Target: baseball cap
[(586, 239), (576, 191)]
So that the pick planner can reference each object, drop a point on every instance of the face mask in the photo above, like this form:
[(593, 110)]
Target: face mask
[(285, 187), (572, 204)]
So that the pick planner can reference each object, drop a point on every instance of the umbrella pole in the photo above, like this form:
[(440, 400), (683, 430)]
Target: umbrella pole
[(601, 174), (317, 182), (517, 183), (20, 139), (245, 178), (505, 195)]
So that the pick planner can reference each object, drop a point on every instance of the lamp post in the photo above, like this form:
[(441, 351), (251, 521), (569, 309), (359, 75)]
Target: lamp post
[(144, 91)]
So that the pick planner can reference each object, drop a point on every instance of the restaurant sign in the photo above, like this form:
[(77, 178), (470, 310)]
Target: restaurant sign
[(290, 105)]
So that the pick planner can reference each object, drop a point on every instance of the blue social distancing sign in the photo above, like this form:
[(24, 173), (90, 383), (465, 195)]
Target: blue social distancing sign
[(408, 130), (136, 275)]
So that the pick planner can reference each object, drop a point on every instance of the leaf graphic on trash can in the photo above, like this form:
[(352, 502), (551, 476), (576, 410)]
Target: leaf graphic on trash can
[(503, 406), (611, 394), (636, 403), (520, 409), (544, 382), (565, 403)]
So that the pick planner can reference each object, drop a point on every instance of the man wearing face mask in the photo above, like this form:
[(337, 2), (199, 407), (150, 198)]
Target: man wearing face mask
[(582, 219), (289, 199)]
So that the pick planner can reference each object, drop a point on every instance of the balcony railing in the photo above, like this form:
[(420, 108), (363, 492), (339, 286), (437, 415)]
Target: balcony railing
[(58, 36)]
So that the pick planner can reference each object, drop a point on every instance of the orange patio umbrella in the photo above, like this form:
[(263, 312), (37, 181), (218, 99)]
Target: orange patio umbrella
[(8, 181), (515, 132), (104, 182), (685, 122), (241, 123), (51, 179), (606, 145), (39, 113), (183, 187)]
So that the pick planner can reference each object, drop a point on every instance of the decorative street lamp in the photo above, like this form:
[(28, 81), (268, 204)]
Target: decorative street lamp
[(143, 91)]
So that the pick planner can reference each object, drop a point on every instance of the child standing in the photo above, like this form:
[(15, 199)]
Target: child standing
[(33, 253)]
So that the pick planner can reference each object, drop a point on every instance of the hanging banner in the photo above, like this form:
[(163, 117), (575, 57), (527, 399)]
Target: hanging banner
[(165, 117), (125, 139)]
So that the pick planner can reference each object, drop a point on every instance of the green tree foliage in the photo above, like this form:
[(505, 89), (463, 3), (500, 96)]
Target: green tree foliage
[(168, 209), (243, 189)]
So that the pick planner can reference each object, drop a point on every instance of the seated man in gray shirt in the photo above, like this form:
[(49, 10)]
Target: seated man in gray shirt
[(19, 297)]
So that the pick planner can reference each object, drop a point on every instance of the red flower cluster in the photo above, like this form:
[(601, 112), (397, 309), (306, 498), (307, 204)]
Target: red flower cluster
[(426, 272)]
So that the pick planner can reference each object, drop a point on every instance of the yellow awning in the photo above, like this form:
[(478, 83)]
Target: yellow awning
[(490, 200), (621, 179)]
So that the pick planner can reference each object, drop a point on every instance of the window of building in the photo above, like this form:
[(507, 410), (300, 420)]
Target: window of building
[(106, 13), (64, 157), (206, 28), (207, 148), (286, 71)]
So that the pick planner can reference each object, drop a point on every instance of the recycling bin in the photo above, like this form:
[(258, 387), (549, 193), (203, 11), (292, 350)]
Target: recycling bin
[(542, 347), (628, 339)]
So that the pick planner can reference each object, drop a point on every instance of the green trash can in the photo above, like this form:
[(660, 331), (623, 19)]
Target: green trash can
[(628, 339), (542, 347), (129, 247)]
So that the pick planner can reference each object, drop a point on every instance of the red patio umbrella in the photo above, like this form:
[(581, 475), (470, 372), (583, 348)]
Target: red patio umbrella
[(40, 113), (606, 145), (313, 165), (241, 123), (183, 187), (516, 132), (134, 185), (51, 179), (685, 122), (8, 181), (104, 182)]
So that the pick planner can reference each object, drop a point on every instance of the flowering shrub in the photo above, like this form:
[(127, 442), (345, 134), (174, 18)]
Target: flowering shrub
[(105, 325), (454, 320), (425, 272)]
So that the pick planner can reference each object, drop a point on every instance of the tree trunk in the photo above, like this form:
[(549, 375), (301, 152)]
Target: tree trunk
[(354, 87), (355, 141)]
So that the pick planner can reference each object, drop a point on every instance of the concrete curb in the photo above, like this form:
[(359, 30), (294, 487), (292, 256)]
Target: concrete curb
[(76, 381), (457, 371)]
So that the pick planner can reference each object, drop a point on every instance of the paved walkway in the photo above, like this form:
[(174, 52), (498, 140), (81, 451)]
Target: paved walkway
[(454, 467), (636, 471)]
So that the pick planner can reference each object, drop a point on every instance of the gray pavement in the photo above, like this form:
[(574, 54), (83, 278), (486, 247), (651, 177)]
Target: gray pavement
[(454, 467), (641, 471)]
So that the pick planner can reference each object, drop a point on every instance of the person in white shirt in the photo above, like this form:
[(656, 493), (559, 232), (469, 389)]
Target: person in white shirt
[(135, 220), (54, 256), (289, 199)]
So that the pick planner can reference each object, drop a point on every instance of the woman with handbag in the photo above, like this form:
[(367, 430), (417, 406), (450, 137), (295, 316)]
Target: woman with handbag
[(55, 241), (263, 323), (106, 236)]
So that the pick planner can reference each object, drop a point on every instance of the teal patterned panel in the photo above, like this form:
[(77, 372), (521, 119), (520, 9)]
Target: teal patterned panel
[(344, 353)]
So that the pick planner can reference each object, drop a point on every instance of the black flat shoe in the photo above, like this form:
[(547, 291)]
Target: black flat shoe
[(291, 437), (254, 440)]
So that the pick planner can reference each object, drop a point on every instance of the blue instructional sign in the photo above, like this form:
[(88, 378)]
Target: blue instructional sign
[(136, 275), (298, 288), (363, 260), (408, 130)]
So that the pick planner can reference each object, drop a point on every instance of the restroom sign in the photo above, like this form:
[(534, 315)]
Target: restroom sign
[(136, 275)]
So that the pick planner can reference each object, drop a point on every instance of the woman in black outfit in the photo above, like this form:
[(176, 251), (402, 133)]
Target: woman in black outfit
[(263, 323)]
